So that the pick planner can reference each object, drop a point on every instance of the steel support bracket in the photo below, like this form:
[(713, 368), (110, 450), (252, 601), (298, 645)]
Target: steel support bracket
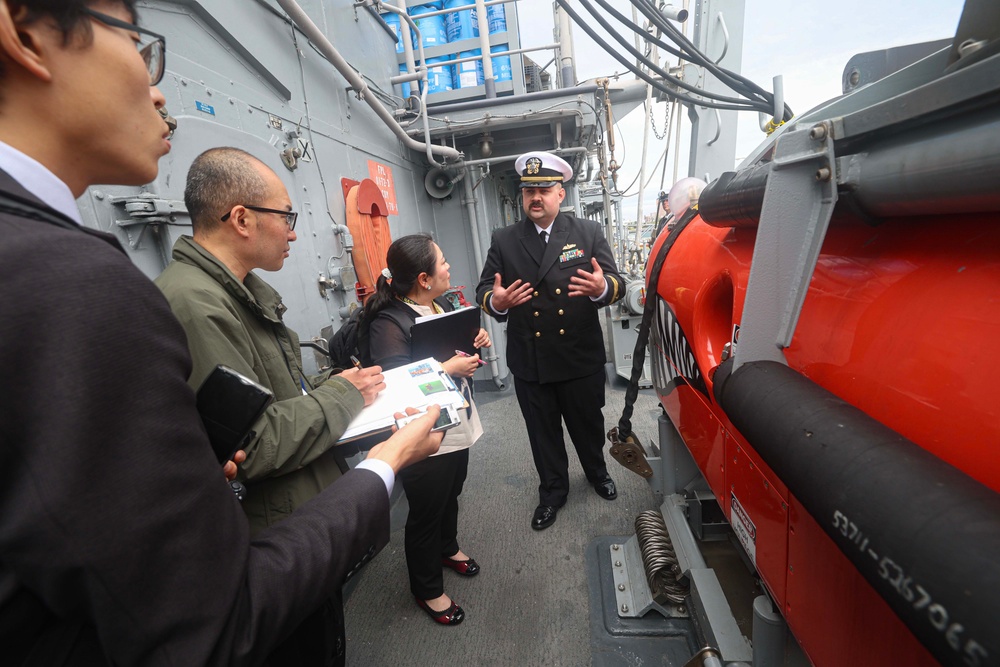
[(144, 210), (798, 202), (632, 593)]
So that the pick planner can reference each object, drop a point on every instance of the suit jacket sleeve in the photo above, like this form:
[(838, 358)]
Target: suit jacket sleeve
[(295, 430), (112, 507), (494, 264)]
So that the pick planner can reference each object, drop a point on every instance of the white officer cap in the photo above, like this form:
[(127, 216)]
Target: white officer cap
[(539, 169)]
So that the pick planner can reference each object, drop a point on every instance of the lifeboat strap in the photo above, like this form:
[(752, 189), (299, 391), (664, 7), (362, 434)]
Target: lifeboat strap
[(622, 435)]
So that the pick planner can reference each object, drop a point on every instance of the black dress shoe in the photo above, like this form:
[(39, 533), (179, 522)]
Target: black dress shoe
[(606, 489), (544, 516), (466, 568)]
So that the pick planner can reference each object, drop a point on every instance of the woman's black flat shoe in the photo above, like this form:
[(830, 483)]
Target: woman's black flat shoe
[(453, 615), (466, 568)]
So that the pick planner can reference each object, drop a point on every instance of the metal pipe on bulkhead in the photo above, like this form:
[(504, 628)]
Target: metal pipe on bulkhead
[(566, 50), (511, 158), (484, 47), (469, 199), (648, 111), (313, 33), (406, 20), (440, 110), (404, 33)]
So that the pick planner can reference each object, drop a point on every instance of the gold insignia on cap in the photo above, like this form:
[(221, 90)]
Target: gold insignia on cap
[(532, 166)]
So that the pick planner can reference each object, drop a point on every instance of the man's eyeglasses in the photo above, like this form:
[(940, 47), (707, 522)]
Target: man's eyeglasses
[(290, 216), (152, 47)]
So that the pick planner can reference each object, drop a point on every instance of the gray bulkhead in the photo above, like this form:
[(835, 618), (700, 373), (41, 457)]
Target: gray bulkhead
[(239, 74)]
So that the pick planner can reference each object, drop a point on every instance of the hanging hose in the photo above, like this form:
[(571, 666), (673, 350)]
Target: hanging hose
[(625, 446)]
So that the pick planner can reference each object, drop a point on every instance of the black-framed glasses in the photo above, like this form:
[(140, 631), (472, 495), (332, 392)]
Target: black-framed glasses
[(152, 47), (290, 216)]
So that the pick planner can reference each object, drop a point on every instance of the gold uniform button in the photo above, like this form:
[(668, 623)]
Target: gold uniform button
[(538, 334), (558, 291), (562, 332), (536, 293), (536, 313), (561, 312)]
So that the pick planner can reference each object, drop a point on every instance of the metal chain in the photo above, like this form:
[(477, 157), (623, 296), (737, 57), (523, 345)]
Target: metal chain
[(666, 122)]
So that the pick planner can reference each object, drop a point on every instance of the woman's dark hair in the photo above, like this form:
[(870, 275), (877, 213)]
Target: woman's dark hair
[(407, 258)]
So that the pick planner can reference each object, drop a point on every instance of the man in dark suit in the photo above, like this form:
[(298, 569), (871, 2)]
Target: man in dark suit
[(122, 543), (547, 276)]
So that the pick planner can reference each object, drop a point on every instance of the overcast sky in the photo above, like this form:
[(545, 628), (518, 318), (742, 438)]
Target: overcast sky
[(806, 41)]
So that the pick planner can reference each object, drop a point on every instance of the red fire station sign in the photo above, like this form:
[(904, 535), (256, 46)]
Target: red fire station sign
[(382, 175)]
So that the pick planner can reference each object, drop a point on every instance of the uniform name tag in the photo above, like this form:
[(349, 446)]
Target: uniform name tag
[(570, 254)]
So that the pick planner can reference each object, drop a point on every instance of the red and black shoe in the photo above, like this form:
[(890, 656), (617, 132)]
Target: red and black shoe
[(453, 615), (466, 568)]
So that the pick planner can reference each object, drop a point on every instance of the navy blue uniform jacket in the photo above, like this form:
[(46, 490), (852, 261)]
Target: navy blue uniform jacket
[(553, 337)]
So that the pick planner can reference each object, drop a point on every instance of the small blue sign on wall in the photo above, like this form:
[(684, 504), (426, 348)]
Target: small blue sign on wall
[(204, 108)]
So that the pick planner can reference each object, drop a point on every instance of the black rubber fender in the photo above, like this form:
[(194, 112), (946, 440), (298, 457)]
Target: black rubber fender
[(924, 534), (736, 198)]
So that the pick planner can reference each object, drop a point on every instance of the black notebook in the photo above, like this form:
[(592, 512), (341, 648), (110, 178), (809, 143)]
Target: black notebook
[(439, 336), (230, 404)]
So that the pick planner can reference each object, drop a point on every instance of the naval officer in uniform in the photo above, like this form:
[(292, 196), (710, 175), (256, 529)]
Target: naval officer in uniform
[(547, 276)]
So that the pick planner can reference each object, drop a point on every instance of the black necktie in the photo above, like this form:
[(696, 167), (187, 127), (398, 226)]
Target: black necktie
[(544, 236)]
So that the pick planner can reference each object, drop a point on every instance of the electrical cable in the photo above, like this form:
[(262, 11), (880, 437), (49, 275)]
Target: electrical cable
[(316, 159), (652, 66), (733, 80), (695, 56), (657, 84)]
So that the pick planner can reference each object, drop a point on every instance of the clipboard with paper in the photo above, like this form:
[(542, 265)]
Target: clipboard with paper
[(415, 385)]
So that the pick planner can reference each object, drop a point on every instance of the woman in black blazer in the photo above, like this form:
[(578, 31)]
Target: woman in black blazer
[(413, 285)]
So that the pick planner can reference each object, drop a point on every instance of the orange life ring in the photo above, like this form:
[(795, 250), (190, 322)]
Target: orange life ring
[(368, 224)]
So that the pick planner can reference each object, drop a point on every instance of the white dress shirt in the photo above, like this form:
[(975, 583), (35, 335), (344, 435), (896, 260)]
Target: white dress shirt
[(39, 181)]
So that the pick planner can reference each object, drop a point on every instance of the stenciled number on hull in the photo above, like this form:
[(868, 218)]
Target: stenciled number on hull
[(675, 363)]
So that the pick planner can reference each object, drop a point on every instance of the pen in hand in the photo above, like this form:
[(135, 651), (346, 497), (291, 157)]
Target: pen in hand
[(357, 364), (466, 354)]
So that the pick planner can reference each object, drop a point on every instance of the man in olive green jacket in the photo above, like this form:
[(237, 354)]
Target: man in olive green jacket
[(232, 317), (243, 220)]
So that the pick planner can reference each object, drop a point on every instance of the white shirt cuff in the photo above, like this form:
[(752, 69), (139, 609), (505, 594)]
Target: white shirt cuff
[(603, 294), (498, 312), (382, 469)]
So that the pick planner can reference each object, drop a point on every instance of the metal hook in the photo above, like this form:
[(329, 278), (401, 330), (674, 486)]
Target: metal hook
[(725, 32), (718, 127)]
